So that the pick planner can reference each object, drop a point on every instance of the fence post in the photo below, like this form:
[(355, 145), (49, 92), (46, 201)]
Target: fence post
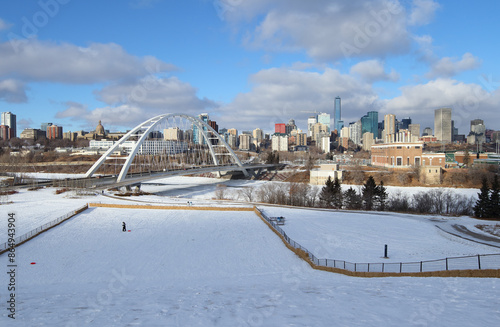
[(368, 267), (479, 261), (400, 267), (344, 265), (420, 266), (355, 267), (382, 267), (446, 263), (326, 263)]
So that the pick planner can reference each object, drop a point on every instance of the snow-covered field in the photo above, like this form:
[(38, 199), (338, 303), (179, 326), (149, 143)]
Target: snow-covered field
[(188, 268), (209, 268), (361, 236)]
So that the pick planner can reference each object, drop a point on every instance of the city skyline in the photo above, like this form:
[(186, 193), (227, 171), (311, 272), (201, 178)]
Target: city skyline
[(245, 63)]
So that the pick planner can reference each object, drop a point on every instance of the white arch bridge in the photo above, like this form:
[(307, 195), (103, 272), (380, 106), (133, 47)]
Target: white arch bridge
[(165, 145)]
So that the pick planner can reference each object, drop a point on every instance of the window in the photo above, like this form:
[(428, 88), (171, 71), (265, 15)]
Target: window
[(417, 161), (398, 147), (417, 147), (408, 161), (399, 161)]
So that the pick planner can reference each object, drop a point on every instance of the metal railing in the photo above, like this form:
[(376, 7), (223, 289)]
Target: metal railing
[(480, 261), (4, 247)]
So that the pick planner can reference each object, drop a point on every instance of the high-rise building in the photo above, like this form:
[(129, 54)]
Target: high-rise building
[(290, 126), (367, 141), (389, 127), (405, 123), (197, 134), (279, 142), (233, 131), (442, 125), (325, 120), (258, 134), (311, 121), (280, 128), (301, 139), (369, 123), (337, 114), (172, 134), (9, 119), (54, 132), (414, 129), (355, 132), (317, 129), (245, 142), (4, 132), (427, 132), (213, 124)]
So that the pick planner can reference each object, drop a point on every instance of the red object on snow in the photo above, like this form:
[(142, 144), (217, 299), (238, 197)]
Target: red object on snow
[(129, 230), (33, 263)]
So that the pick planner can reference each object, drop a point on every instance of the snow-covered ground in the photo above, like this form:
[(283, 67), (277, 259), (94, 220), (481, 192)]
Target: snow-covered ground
[(209, 268), (205, 188), (361, 236), (188, 268)]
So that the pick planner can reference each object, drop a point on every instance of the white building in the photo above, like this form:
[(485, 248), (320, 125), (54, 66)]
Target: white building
[(311, 121), (147, 147), (279, 142)]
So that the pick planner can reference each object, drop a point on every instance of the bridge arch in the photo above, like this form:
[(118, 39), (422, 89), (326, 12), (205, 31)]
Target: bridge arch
[(213, 141)]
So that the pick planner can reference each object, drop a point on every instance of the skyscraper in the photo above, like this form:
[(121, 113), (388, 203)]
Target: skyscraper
[(337, 115), (197, 134), (311, 121), (9, 119), (325, 120), (389, 127), (369, 123), (442, 125)]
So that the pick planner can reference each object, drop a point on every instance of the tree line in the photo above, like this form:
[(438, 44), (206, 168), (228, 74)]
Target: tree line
[(370, 197)]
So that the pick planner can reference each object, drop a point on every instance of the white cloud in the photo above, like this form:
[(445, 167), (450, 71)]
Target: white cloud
[(12, 91), (67, 63), (4, 25), (468, 101), (373, 70), (279, 94), (423, 12), (132, 102), (449, 67), (326, 30), (74, 110)]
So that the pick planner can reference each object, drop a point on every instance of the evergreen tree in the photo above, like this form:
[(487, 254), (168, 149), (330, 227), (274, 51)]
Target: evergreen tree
[(494, 200), (483, 201), (326, 194), (337, 194), (352, 200), (380, 196), (368, 193)]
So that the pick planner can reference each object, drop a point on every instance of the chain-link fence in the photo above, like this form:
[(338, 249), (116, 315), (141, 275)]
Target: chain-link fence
[(4, 247), (481, 261)]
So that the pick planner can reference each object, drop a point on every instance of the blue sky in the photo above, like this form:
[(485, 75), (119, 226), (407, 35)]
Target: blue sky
[(248, 63)]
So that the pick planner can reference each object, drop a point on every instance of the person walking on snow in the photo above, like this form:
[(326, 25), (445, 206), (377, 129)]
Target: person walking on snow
[(124, 227)]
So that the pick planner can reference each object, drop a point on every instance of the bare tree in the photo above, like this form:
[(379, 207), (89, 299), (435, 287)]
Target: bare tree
[(220, 191), (247, 194)]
